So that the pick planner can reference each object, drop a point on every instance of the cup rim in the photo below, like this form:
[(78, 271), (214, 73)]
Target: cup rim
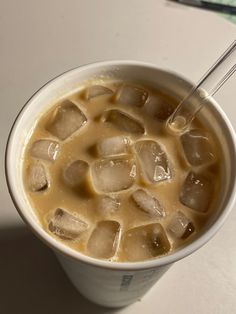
[(71, 253)]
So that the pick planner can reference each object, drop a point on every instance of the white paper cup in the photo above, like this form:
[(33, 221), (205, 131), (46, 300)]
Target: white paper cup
[(110, 283)]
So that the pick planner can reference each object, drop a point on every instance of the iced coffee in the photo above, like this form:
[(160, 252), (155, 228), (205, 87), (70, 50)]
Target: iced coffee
[(107, 178)]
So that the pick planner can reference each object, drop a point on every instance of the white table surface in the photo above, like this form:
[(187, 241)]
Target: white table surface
[(39, 40)]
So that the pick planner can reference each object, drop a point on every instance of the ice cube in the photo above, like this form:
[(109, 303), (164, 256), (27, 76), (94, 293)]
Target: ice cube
[(124, 122), (131, 95), (66, 226), (66, 120), (113, 174), (97, 90), (180, 226), (148, 203), (45, 149), (159, 108), (153, 161), (196, 192), (104, 239), (145, 242), (37, 178), (117, 145), (75, 173), (108, 205), (197, 147)]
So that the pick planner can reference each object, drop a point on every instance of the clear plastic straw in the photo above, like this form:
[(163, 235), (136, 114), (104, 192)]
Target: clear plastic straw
[(211, 82)]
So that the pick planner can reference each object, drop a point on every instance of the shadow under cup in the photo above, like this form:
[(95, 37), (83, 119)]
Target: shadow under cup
[(105, 283)]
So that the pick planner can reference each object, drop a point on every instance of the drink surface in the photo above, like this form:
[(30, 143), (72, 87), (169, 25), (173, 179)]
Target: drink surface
[(106, 177)]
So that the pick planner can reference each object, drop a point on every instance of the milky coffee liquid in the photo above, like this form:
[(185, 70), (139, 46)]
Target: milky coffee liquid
[(106, 178)]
